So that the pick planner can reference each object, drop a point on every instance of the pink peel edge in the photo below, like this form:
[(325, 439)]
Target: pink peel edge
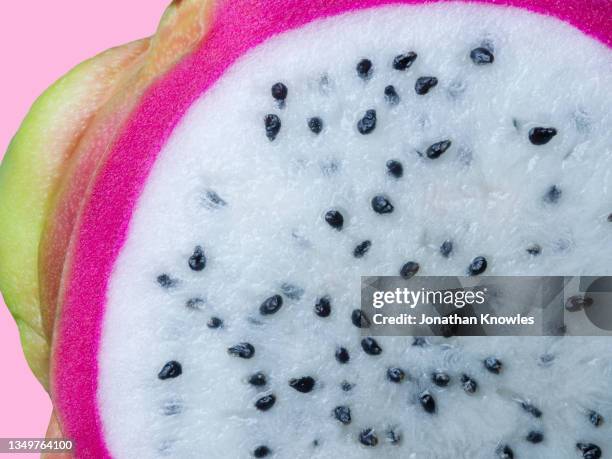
[(239, 26)]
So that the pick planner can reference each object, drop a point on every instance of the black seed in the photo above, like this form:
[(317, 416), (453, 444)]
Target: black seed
[(409, 269), (170, 370), (595, 418), (393, 437), (279, 91), (165, 281), (535, 436), (438, 149), (382, 205), (271, 305), (342, 355), (424, 84), (395, 374), (214, 322), (346, 386), (534, 250), (395, 168), (482, 56), (391, 95), (273, 126), (194, 303), (370, 346), (541, 135), (589, 450), (303, 385), (427, 402), (449, 330), (315, 124), (547, 359), (257, 379), (261, 451), (266, 402), (577, 303), (610, 218), (359, 319), (419, 341), (440, 378), (404, 61), (364, 69), (322, 307), (343, 414), (361, 249), (293, 292), (468, 384), (446, 248), (368, 437), (213, 200), (242, 350), (197, 261), (531, 409), (172, 408), (334, 219), (478, 266), (493, 365), (553, 195), (505, 452), (367, 124)]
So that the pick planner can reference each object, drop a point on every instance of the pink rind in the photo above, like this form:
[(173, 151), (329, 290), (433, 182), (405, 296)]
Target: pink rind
[(239, 25)]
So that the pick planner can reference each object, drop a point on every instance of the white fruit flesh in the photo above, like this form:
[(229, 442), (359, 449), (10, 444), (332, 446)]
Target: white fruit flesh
[(486, 194)]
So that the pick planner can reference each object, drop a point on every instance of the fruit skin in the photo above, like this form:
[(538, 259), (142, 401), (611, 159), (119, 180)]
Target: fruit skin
[(36, 157), (119, 149), (54, 432), (180, 30)]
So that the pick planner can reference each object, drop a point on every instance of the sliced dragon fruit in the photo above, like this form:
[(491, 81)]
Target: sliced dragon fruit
[(205, 258)]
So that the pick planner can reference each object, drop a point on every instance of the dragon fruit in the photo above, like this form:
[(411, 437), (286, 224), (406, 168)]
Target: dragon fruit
[(191, 273)]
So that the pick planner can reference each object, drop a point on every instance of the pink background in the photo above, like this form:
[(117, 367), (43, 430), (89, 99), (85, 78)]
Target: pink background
[(38, 43)]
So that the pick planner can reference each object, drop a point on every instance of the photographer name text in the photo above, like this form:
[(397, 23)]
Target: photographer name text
[(458, 298)]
